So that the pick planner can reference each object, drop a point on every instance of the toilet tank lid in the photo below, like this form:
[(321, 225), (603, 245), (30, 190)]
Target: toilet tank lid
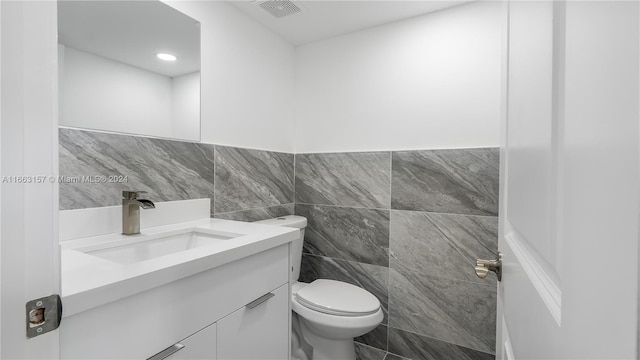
[(293, 221)]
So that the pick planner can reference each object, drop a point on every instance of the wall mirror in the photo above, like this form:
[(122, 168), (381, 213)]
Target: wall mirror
[(113, 76)]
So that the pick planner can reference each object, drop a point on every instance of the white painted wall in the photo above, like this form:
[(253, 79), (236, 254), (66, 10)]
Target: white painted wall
[(185, 111), (431, 81), (102, 94), (405, 85), (247, 79)]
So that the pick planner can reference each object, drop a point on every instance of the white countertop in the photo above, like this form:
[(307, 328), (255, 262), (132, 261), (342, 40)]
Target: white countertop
[(89, 281)]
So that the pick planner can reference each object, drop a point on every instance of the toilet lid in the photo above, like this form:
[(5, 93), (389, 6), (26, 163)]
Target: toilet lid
[(337, 298)]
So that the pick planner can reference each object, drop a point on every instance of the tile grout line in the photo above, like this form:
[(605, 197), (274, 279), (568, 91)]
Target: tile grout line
[(253, 209), (443, 341), (390, 269), (338, 259), (384, 209), (213, 196), (388, 325), (295, 175)]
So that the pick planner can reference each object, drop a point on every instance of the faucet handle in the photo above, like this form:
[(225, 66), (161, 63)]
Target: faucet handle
[(132, 195)]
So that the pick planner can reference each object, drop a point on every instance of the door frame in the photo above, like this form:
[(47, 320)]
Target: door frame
[(29, 252), (503, 344)]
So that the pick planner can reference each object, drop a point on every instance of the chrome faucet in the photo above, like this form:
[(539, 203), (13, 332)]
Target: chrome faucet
[(131, 211)]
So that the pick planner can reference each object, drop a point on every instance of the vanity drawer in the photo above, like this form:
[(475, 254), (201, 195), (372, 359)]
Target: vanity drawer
[(170, 313), (257, 330)]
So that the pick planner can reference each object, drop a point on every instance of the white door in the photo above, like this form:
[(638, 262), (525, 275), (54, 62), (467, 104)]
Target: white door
[(29, 259), (569, 182)]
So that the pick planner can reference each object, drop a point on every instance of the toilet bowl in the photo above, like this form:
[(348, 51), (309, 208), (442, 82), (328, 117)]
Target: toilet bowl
[(331, 316), (330, 313)]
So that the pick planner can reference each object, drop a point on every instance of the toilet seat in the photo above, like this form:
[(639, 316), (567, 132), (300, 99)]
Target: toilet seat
[(336, 327), (337, 298)]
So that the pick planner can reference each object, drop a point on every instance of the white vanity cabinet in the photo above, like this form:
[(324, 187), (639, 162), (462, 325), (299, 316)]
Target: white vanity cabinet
[(207, 312), (254, 331)]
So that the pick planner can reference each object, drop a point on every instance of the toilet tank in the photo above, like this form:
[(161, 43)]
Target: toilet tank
[(295, 254)]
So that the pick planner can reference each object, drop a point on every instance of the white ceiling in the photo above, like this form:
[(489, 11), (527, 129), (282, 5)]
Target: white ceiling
[(321, 19), (132, 32)]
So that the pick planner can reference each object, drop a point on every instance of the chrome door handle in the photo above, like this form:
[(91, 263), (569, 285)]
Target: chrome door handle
[(484, 266)]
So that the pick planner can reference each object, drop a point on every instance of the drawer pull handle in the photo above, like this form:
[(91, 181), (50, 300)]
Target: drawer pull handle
[(167, 352), (260, 300)]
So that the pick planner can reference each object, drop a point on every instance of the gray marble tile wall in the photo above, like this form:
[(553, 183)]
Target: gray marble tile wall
[(243, 184), (407, 226), (252, 179), (166, 170)]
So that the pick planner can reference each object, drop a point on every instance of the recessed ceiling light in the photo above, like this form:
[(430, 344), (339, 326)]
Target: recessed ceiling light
[(166, 57)]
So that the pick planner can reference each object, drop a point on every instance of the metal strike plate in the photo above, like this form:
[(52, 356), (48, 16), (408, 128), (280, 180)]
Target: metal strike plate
[(43, 315)]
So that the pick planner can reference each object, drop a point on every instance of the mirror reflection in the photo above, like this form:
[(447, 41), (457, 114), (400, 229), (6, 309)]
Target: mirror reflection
[(130, 67)]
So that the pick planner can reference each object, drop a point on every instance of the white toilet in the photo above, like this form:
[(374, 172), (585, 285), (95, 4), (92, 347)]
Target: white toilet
[(331, 313)]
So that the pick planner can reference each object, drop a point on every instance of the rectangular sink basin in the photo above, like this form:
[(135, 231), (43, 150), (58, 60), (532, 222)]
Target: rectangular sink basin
[(154, 246)]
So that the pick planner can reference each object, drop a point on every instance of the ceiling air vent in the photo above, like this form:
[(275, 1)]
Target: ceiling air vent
[(279, 8)]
